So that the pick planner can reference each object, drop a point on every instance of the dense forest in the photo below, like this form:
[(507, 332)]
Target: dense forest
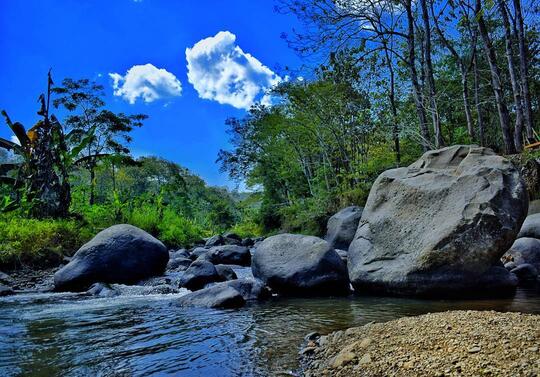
[(398, 78), (383, 82)]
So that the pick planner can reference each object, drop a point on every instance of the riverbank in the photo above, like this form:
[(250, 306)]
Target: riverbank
[(465, 343)]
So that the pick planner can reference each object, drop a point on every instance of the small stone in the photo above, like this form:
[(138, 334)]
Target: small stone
[(307, 351), (365, 342), (343, 358), (532, 349), (408, 365), (366, 359), (474, 349)]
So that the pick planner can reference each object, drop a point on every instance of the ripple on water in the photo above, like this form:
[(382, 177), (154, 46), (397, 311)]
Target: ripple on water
[(143, 335)]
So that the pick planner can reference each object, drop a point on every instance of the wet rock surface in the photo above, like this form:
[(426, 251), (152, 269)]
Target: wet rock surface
[(436, 226), (295, 264), (455, 343), (120, 254)]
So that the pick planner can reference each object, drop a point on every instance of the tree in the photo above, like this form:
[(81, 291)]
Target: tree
[(110, 131)]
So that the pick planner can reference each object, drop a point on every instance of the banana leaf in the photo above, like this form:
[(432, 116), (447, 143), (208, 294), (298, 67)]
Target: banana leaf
[(18, 130)]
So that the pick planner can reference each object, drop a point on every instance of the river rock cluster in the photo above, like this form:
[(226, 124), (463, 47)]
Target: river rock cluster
[(460, 343), (437, 227)]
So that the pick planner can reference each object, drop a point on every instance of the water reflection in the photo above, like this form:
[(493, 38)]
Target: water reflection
[(73, 335)]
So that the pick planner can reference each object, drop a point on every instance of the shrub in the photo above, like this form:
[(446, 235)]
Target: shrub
[(38, 242)]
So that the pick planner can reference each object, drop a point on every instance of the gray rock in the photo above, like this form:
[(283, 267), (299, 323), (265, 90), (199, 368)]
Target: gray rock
[(296, 264), (102, 290), (233, 236), (197, 252), (247, 242), (6, 279), (182, 253), (199, 274), (216, 240), (341, 227), (229, 294), (217, 296), (526, 273), (179, 264), (229, 254), (225, 272), (119, 254), (510, 266), (531, 227), (525, 250), (5, 290), (534, 207), (250, 289), (438, 225), (343, 255)]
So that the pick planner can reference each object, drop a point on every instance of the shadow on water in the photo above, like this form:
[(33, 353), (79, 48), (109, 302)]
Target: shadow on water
[(72, 335)]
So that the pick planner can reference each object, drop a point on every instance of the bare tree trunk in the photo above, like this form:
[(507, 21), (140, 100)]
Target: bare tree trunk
[(92, 185), (429, 77), (479, 118), (516, 90), (463, 69), (392, 98), (504, 117), (523, 65), (417, 91)]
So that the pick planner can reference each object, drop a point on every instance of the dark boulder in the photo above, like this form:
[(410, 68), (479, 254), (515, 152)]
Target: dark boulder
[(226, 272), (248, 242), (229, 254), (5, 290), (182, 253), (216, 296), (216, 240), (198, 275), (230, 294), (530, 227), (438, 225), (197, 252), (232, 236), (342, 226), (119, 254), (525, 251), (296, 264), (526, 273), (179, 264)]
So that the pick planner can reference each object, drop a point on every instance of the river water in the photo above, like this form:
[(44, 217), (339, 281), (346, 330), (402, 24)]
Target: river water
[(54, 334)]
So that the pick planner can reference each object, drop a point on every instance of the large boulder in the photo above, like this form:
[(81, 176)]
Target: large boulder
[(199, 274), (230, 294), (525, 251), (296, 264), (120, 254), (229, 254), (530, 227), (341, 227), (438, 225)]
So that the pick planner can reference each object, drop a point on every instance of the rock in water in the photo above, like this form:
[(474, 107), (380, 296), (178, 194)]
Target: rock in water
[(230, 294), (438, 225), (229, 254), (120, 254), (531, 227), (296, 264), (525, 250), (199, 274), (226, 272), (342, 226)]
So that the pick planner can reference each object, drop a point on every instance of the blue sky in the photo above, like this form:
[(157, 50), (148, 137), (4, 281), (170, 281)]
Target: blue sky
[(137, 50)]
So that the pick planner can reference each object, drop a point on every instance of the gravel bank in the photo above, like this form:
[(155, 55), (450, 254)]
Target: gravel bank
[(455, 343)]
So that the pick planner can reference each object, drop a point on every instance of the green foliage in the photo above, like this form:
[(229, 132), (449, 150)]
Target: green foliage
[(38, 242)]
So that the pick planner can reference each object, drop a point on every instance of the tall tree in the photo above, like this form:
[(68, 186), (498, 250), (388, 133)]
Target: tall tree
[(110, 132), (496, 81)]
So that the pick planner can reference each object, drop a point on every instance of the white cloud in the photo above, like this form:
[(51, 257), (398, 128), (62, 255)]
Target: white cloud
[(220, 70), (147, 82)]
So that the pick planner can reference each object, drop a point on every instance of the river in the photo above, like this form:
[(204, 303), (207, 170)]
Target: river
[(136, 334)]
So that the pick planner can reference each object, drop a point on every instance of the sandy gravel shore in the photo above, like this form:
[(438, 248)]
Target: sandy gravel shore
[(455, 343)]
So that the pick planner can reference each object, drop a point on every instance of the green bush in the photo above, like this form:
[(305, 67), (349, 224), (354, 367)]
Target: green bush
[(38, 242)]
